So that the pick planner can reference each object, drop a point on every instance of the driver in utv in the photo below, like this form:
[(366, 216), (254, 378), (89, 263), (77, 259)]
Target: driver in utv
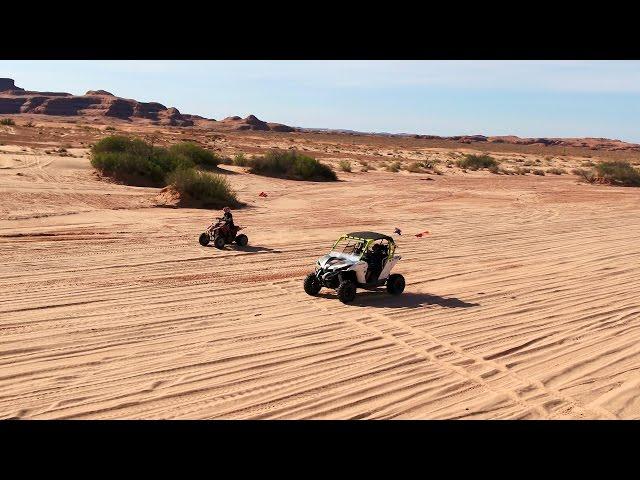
[(374, 259)]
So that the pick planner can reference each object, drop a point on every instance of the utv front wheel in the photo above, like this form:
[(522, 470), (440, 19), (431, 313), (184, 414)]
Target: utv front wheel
[(242, 240), (312, 285), (395, 284), (346, 291), (219, 242), (204, 239)]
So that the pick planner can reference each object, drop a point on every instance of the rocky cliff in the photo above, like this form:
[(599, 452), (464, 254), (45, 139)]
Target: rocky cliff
[(100, 103)]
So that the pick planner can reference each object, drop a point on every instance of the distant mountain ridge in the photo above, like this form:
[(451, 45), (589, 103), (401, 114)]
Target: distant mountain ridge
[(593, 143), (100, 103)]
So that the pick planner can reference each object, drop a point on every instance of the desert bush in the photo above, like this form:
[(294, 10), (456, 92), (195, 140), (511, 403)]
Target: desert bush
[(495, 169), (556, 171), (415, 167), (134, 161), (537, 171), (292, 165), (586, 175), (618, 173), (193, 153), (208, 189), (394, 167), (476, 162), (7, 121), (241, 161), (345, 165)]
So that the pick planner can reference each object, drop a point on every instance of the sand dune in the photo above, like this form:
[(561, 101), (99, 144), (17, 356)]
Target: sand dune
[(522, 303)]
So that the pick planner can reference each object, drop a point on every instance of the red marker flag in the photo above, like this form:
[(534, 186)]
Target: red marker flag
[(262, 194), (421, 234)]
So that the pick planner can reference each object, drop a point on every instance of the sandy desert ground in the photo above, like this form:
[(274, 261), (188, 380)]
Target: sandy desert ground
[(521, 304)]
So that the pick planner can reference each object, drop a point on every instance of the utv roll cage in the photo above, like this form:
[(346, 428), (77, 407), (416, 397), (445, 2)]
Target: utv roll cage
[(368, 239)]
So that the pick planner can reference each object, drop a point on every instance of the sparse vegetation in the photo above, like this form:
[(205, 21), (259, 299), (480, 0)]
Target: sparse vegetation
[(110, 128), (612, 173), (292, 165), (586, 175), (136, 162), (187, 151), (476, 162), (537, 171), (345, 165), (618, 173), (240, 160), (393, 167), (415, 167), (207, 189), (556, 171), (7, 121)]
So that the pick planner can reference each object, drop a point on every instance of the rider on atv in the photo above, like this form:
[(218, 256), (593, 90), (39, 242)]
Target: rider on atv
[(227, 218), (223, 231)]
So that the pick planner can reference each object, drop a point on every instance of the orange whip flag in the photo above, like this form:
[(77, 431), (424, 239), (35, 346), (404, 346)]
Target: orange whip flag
[(421, 234)]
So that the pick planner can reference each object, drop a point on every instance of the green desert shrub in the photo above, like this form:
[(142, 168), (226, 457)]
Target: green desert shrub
[(556, 171), (477, 162), (292, 165), (345, 165), (7, 121), (618, 173), (586, 175), (136, 162), (537, 171), (195, 154), (240, 160), (207, 189)]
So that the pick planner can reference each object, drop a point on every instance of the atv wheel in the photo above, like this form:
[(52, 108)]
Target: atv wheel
[(219, 242), (312, 284), (346, 291), (204, 239), (395, 284), (242, 240)]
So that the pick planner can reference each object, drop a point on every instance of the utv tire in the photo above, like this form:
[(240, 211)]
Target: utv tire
[(395, 284), (242, 240), (204, 239), (218, 242), (312, 285), (346, 291)]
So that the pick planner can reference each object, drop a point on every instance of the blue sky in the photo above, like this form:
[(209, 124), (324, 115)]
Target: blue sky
[(525, 98)]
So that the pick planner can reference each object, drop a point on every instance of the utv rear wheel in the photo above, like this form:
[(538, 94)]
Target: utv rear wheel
[(204, 239), (395, 284), (242, 240), (312, 285), (346, 291), (219, 242)]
